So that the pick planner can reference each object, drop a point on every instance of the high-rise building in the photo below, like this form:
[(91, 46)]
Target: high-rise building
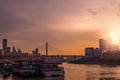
[(89, 52), (19, 51), (1, 51), (33, 52), (97, 52), (5, 45), (8, 50), (102, 44), (36, 51), (46, 49), (14, 50)]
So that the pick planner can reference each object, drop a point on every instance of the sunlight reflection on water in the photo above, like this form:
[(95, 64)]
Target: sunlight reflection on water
[(81, 72)]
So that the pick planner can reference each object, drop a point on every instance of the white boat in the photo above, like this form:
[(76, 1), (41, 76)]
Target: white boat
[(51, 70), (29, 68)]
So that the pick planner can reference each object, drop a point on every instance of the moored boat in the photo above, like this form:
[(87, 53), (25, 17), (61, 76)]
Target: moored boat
[(31, 68), (50, 70)]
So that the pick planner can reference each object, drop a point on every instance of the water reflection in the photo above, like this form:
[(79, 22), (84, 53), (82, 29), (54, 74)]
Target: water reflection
[(32, 78), (103, 72), (109, 78), (80, 72)]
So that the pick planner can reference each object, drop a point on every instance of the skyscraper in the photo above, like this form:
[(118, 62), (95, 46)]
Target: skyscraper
[(89, 52), (5, 45), (14, 50), (102, 44), (36, 51), (46, 49)]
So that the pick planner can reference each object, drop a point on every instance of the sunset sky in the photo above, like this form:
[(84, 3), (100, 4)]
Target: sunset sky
[(67, 25)]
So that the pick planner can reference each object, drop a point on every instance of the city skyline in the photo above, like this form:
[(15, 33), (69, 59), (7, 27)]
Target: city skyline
[(67, 24)]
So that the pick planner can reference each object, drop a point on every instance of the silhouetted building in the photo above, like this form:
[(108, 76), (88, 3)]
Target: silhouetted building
[(89, 52), (8, 50), (14, 50), (46, 49), (111, 55), (97, 52), (19, 51), (102, 44), (1, 51), (33, 52), (36, 51), (5, 45)]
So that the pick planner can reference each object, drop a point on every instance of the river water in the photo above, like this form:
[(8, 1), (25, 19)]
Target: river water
[(81, 72)]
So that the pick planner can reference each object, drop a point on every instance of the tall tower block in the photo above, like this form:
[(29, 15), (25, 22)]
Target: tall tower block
[(4, 45), (102, 44), (46, 49)]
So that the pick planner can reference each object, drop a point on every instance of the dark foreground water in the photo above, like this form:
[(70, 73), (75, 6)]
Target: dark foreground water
[(81, 72)]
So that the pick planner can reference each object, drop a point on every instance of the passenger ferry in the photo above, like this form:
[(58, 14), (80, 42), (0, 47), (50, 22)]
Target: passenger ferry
[(50, 69), (30, 68)]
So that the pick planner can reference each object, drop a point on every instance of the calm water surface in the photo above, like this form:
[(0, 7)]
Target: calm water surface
[(81, 72)]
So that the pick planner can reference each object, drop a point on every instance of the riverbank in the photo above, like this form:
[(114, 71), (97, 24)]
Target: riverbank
[(96, 60)]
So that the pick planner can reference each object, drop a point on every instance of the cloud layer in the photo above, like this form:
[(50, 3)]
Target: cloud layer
[(67, 24)]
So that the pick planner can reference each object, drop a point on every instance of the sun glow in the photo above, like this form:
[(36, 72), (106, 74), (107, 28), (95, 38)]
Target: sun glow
[(115, 38)]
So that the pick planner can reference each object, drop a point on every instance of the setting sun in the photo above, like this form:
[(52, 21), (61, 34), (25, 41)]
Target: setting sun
[(114, 38)]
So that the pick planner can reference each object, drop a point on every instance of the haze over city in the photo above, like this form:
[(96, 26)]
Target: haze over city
[(68, 25)]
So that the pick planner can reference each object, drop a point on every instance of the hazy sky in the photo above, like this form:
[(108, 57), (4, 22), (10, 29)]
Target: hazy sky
[(67, 25)]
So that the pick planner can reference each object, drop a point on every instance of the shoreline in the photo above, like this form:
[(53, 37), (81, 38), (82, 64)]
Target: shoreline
[(96, 61)]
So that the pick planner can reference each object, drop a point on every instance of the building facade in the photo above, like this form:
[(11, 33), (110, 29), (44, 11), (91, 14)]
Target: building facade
[(89, 52)]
